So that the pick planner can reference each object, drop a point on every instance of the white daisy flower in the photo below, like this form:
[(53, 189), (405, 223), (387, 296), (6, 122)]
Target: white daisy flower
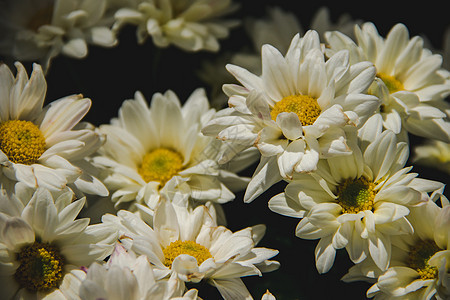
[(434, 154), (40, 30), (45, 146), (148, 148), (359, 202), (188, 243), (190, 25), (43, 245), (410, 81), (420, 265), (295, 112), (126, 276)]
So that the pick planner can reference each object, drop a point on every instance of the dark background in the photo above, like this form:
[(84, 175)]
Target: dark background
[(109, 76)]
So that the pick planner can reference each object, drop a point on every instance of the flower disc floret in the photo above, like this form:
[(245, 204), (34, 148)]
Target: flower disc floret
[(21, 141), (191, 248), (392, 83), (160, 165), (356, 195), (41, 267), (306, 108), (419, 256)]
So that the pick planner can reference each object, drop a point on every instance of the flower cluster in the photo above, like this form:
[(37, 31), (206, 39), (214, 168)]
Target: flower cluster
[(134, 209)]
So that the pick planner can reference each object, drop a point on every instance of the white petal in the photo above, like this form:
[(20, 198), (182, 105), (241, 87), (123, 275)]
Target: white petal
[(232, 289), (288, 160), (275, 74), (16, 233), (102, 36), (64, 114), (325, 255), (165, 223), (265, 175), (290, 125), (380, 250), (76, 47), (285, 206)]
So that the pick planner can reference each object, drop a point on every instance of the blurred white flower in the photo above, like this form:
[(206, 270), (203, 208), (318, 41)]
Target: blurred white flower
[(40, 30), (190, 25), (433, 154), (45, 146)]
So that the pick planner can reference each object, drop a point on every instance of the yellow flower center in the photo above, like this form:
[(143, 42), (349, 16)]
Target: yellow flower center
[(187, 247), (41, 17), (356, 195), (21, 141), (419, 256), (306, 108), (41, 267), (160, 165), (392, 83)]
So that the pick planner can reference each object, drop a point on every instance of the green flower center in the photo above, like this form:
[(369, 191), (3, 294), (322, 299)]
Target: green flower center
[(187, 247), (160, 165), (356, 195), (418, 258), (392, 83), (41, 267), (306, 108), (22, 141)]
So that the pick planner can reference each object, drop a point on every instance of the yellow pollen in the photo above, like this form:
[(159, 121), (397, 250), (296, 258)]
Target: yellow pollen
[(418, 258), (187, 247), (41, 17), (21, 141), (306, 108), (392, 83), (41, 267), (356, 195), (160, 165)]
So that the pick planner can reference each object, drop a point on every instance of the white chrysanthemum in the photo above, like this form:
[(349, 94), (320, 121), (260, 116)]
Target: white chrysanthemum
[(40, 30), (358, 202), (420, 265), (295, 112), (187, 244), (148, 148), (43, 245), (410, 81), (45, 146), (126, 276), (191, 25), (434, 154)]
